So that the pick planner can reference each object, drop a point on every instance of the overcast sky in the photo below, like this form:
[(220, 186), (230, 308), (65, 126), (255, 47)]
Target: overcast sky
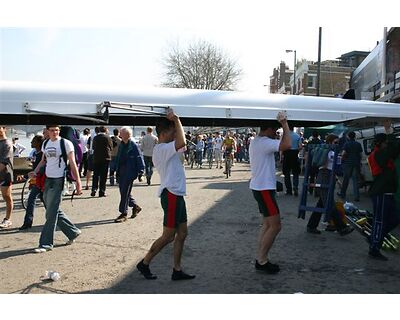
[(125, 47)]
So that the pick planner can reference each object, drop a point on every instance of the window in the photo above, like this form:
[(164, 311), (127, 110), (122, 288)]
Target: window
[(311, 81)]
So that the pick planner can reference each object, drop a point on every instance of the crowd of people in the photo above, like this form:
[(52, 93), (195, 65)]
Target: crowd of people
[(214, 147), (122, 160)]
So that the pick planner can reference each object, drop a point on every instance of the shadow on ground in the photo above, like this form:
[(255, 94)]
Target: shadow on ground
[(220, 251)]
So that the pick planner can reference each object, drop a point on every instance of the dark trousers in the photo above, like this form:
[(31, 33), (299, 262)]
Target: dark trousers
[(315, 217), (291, 164), (313, 174), (83, 165), (385, 219), (113, 167), (148, 166), (353, 172), (100, 170), (125, 188), (34, 193)]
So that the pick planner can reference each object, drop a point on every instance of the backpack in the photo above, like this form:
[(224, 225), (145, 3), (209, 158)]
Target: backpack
[(376, 170), (73, 135), (319, 155)]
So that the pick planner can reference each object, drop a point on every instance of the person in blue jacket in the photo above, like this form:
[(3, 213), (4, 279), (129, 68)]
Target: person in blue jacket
[(129, 164)]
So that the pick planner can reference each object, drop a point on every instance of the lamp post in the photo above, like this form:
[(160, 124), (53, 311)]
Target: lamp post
[(294, 70)]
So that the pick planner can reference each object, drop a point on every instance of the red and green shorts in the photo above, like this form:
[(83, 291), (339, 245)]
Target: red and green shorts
[(266, 202), (174, 209)]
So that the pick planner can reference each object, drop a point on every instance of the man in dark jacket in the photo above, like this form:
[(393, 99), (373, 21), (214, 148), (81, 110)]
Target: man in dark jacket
[(102, 146), (383, 188), (129, 165)]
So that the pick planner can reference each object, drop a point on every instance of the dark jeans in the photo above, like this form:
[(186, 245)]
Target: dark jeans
[(113, 167), (148, 166), (353, 172), (30, 208), (385, 219), (100, 170), (83, 165), (291, 164), (125, 188)]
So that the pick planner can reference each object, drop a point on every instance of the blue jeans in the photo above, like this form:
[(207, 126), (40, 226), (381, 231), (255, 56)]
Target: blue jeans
[(148, 166), (55, 217), (30, 207), (353, 172), (199, 157)]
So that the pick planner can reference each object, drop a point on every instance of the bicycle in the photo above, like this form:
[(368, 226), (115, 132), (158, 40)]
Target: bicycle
[(228, 164), (26, 190)]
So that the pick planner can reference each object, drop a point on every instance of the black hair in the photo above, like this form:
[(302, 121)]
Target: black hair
[(351, 134), (39, 139), (379, 139), (48, 126), (116, 132), (164, 124)]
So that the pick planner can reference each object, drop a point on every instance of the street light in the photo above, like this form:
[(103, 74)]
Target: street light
[(294, 70)]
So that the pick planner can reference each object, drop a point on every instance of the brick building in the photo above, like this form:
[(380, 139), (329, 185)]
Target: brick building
[(334, 79), (279, 81)]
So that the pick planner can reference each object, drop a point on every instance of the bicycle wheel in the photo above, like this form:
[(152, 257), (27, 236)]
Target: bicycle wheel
[(25, 194), (227, 168)]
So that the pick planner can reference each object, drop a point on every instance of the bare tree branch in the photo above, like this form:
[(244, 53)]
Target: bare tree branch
[(201, 66)]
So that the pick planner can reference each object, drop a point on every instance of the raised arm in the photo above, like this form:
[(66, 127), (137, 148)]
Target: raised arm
[(286, 141), (180, 140)]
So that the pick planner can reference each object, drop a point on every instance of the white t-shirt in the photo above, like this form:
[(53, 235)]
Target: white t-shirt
[(84, 139), (262, 163), (54, 167), (170, 168), (218, 143)]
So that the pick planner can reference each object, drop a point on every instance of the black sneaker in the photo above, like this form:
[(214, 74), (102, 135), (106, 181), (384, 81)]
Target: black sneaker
[(144, 269), (346, 231), (180, 275), (268, 267), (296, 193), (135, 210), (25, 226), (148, 180), (376, 254), (313, 230), (288, 193)]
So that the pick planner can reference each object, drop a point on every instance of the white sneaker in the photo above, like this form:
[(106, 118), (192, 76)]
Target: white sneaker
[(41, 250), (6, 223), (69, 242)]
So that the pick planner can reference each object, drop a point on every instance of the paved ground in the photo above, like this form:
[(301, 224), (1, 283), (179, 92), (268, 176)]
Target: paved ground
[(220, 249)]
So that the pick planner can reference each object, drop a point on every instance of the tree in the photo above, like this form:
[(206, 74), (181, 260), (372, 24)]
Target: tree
[(201, 66)]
